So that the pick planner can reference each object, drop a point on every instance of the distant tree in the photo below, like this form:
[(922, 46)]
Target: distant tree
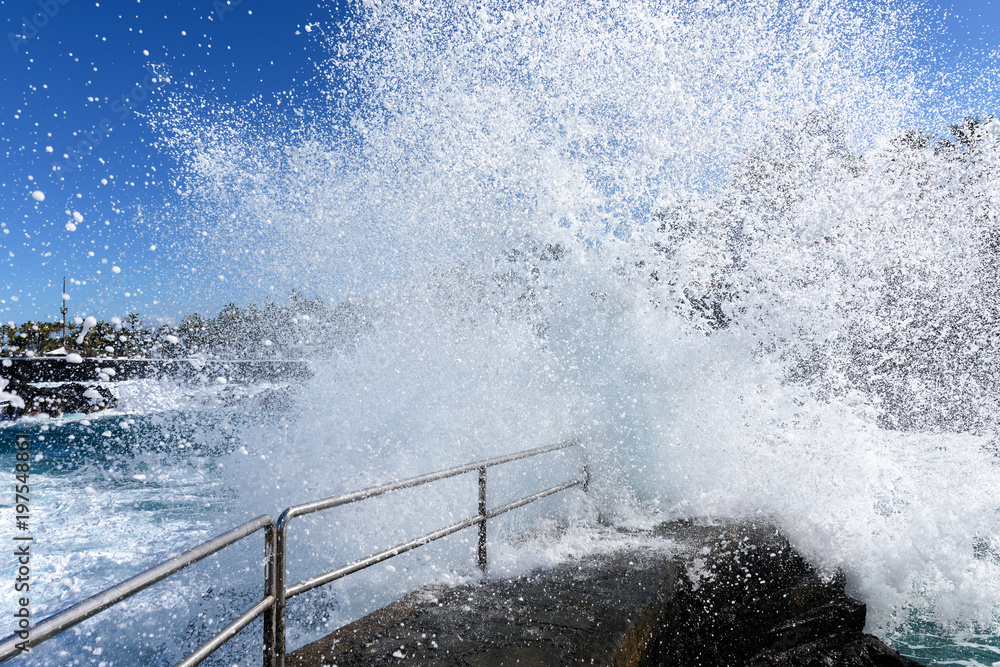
[(37, 336), (97, 341), (8, 339), (912, 140), (969, 134), (303, 326)]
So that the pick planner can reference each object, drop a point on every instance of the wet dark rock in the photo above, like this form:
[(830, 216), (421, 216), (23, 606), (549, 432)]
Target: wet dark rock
[(59, 369), (735, 595), (68, 398), (750, 599)]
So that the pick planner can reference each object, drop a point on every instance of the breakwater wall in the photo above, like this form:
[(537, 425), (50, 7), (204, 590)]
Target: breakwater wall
[(58, 369)]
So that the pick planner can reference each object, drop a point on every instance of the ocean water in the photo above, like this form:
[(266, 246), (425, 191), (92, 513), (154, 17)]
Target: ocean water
[(694, 235), (114, 494)]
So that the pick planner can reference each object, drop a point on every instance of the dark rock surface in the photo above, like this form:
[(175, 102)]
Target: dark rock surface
[(726, 595), (55, 401), (58, 369)]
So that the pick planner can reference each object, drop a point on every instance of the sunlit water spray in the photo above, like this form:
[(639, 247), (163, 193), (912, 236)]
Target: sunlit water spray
[(691, 233), (687, 232)]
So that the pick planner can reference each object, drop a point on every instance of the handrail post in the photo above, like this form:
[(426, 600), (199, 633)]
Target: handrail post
[(482, 519), (280, 553), (586, 470), (269, 589)]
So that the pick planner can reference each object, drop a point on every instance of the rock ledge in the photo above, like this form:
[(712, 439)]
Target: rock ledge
[(734, 595)]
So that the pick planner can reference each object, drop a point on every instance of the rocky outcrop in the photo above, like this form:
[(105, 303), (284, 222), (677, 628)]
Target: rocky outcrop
[(19, 399), (750, 599), (734, 596)]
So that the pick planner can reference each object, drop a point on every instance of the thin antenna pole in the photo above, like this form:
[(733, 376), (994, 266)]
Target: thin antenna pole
[(63, 311)]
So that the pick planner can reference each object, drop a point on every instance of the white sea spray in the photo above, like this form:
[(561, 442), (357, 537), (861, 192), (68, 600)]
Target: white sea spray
[(694, 234)]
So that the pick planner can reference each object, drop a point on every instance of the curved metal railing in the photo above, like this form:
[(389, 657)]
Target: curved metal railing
[(276, 593)]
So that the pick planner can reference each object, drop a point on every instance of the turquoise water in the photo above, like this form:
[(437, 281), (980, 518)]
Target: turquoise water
[(114, 494), (929, 644), (109, 497)]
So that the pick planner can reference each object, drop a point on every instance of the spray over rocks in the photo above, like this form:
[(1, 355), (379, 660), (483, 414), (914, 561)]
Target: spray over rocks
[(703, 236)]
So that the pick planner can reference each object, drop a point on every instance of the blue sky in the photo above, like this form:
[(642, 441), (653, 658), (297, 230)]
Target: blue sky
[(77, 82), (74, 93)]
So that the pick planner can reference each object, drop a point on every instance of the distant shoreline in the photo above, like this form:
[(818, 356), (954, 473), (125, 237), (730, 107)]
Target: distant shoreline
[(91, 369)]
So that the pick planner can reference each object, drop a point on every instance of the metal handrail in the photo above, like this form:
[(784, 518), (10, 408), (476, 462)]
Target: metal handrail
[(273, 605), (80, 612), (285, 592)]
